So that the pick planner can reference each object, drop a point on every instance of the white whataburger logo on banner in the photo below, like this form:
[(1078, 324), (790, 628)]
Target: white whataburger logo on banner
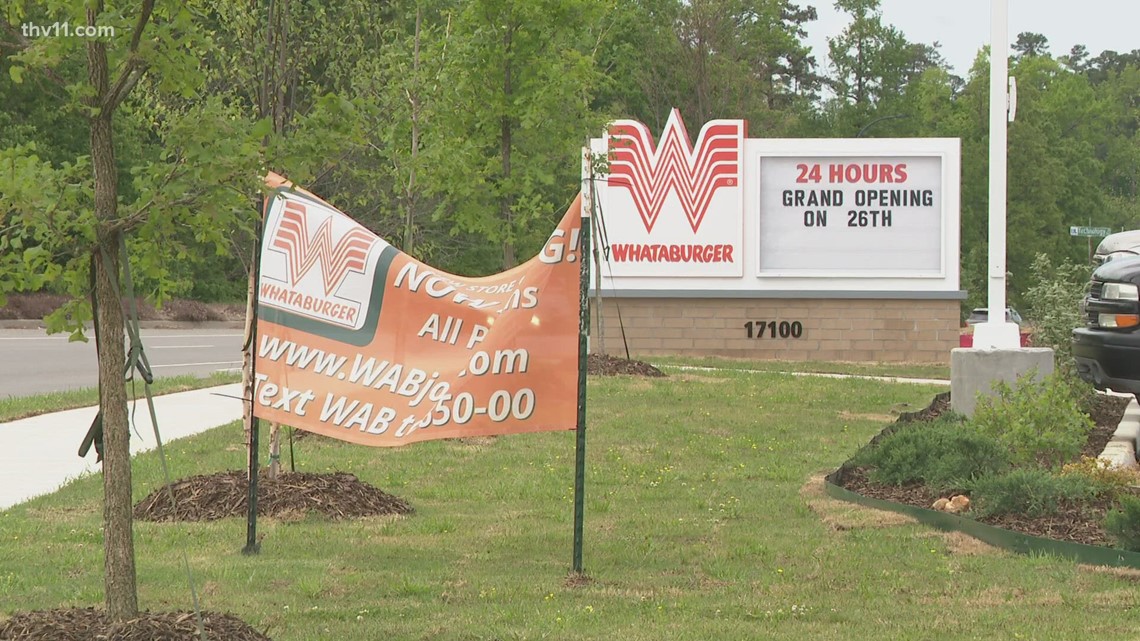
[(318, 263)]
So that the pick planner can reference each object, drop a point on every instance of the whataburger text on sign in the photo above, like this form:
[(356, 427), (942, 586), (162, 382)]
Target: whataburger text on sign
[(359, 341)]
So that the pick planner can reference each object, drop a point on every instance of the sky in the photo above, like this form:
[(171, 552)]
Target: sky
[(963, 26)]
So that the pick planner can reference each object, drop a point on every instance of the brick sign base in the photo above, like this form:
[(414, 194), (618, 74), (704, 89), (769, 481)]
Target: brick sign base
[(794, 329)]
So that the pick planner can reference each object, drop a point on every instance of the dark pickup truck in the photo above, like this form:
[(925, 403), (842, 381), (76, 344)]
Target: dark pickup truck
[(1107, 348)]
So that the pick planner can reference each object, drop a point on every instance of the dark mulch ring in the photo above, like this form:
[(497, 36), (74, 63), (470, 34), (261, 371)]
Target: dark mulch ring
[(89, 624), (217, 496), (606, 365), (1077, 523)]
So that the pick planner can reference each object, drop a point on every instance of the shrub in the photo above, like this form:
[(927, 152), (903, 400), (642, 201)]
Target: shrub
[(1054, 304), (1124, 523), (1102, 473), (943, 454), (1040, 421), (1029, 491)]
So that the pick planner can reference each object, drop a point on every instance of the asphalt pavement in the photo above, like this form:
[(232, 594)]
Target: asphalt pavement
[(33, 362), (40, 454)]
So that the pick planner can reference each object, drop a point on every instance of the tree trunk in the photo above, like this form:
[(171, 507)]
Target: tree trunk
[(505, 144), (274, 450), (414, 102), (249, 341), (120, 590)]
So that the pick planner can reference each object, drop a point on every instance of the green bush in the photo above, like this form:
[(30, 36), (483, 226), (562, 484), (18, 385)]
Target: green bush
[(1054, 302), (1124, 523), (943, 454), (1054, 307), (1029, 491), (1106, 475), (1040, 421)]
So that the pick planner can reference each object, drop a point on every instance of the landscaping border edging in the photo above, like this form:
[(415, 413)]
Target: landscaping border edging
[(997, 537)]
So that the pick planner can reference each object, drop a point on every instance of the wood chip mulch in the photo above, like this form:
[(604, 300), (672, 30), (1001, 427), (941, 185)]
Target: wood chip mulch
[(1106, 415), (606, 365), (1074, 522), (89, 624), (938, 405), (210, 497)]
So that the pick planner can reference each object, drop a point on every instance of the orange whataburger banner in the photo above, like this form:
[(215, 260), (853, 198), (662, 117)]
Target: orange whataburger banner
[(359, 341)]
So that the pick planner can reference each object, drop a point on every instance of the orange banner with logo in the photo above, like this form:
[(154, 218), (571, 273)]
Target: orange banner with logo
[(359, 341)]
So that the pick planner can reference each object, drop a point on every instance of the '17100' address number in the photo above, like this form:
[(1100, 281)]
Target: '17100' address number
[(774, 329)]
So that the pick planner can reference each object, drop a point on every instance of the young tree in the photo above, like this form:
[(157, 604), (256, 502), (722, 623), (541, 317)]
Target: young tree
[(872, 66), (710, 59), (69, 219), (745, 58)]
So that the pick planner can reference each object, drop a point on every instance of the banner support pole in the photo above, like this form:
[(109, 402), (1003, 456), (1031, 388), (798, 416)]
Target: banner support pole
[(583, 333), (251, 544)]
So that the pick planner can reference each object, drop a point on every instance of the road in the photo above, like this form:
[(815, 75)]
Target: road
[(31, 362)]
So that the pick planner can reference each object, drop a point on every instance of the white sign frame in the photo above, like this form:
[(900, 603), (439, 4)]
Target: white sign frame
[(756, 281), (884, 150)]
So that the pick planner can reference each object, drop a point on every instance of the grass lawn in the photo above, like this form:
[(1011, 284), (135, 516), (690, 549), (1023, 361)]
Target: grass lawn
[(13, 407), (894, 370), (704, 520)]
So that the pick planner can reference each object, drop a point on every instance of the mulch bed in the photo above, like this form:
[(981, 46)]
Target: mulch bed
[(89, 624), (206, 498), (606, 365), (210, 497), (1075, 522)]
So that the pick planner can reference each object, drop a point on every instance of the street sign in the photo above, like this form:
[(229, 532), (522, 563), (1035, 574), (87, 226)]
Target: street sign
[(1089, 231)]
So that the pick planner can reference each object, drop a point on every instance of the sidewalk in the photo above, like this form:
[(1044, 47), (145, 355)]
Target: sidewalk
[(38, 455)]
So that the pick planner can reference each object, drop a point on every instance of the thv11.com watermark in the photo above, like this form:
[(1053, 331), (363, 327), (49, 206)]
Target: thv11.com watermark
[(66, 30)]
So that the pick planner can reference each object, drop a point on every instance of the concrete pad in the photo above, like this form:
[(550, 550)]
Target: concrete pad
[(975, 371), (41, 452), (1128, 430), (1120, 454)]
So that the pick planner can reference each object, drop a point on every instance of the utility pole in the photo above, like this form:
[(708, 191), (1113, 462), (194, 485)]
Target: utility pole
[(997, 332)]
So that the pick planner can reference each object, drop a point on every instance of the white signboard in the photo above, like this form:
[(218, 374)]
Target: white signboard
[(850, 216), (728, 215)]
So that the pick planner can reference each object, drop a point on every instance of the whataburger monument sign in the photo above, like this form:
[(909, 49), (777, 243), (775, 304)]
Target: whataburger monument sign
[(757, 230)]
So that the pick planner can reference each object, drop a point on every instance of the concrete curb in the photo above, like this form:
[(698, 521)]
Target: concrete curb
[(1120, 451)]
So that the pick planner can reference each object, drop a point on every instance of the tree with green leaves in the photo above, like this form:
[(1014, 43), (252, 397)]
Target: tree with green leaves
[(1030, 44), (872, 66), (67, 218), (709, 59), (519, 77)]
